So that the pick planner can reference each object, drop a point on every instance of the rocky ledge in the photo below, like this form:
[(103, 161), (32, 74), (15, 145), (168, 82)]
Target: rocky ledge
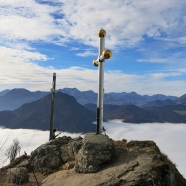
[(94, 160)]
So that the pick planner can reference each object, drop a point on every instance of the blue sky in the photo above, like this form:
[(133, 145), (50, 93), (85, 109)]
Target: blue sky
[(147, 39)]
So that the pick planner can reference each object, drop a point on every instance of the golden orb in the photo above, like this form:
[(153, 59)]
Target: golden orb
[(107, 54), (95, 63), (101, 33)]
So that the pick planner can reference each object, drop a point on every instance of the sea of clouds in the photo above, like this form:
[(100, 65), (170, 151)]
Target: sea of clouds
[(170, 138)]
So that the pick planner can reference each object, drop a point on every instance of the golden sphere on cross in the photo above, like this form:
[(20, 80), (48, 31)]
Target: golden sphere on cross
[(95, 63), (106, 54), (101, 33)]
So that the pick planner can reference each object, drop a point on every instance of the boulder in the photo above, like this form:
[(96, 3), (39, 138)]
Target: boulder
[(69, 151), (50, 156), (95, 151), (17, 175)]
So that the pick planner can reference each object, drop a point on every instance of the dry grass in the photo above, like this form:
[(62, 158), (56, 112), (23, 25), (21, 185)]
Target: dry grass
[(149, 146), (120, 143)]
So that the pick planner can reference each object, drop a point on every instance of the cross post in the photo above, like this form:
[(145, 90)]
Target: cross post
[(99, 62), (53, 90)]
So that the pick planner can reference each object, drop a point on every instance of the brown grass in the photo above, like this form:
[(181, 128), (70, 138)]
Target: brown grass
[(120, 143)]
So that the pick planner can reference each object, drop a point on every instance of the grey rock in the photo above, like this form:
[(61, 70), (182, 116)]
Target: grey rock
[(50, 156), (24, 163), (47, 158), (17, 175), (95, 150), (69, 151)]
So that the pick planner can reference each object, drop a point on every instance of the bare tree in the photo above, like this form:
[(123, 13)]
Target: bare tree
[(13, 150)]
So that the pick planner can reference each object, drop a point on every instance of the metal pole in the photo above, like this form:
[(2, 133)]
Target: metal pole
[(101, 87), (52, 106), (103, 54)]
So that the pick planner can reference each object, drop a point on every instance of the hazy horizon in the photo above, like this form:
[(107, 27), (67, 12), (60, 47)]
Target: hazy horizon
[(49, 91), (170, 138)]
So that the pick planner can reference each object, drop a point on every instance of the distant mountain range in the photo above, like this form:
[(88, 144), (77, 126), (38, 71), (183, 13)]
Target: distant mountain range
[(72, 116), (69, 115), (13, 99), (134, 114), (159, 103), (114, 98)]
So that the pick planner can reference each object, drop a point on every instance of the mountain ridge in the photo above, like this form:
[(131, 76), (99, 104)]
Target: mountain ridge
[(13, 99), (36, 115), (69, 111), (134, 114)]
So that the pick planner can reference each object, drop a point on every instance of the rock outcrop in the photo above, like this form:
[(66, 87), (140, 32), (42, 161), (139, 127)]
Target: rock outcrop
[(137, 163), (50, 156), (95, 160), (95, 150), (18, 175)]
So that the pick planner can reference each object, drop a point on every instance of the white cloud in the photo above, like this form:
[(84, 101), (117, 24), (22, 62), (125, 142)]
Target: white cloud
[(171, 59), (178, 40), (29, 139), (154, 60), (17, 71), (74, 48), (170, 138), (26, 20), (10, 55), (86, 53), (152, 83), (126, 22)]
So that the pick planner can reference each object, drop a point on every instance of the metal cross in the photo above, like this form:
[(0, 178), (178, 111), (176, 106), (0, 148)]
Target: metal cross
[(99, 62)]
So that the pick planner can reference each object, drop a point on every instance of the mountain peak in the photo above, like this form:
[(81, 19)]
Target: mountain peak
[(120, 163), (133, 93), (18, 92), (69, 115), (4, 92), (71, 90)]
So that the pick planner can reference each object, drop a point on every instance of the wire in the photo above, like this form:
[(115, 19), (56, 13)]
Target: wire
[(30, 140)]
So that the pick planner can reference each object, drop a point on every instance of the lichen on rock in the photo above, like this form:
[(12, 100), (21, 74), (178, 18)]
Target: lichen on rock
[(18, 175), (95, 151), (50, 156)]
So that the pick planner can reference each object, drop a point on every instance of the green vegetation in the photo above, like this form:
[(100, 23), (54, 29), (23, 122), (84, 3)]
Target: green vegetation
[(182, 112)]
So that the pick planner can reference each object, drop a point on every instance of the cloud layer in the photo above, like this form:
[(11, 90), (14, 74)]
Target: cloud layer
[(29, 140), (169, 138)]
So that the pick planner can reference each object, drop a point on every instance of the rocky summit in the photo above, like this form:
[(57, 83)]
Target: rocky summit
[(95, 160)]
